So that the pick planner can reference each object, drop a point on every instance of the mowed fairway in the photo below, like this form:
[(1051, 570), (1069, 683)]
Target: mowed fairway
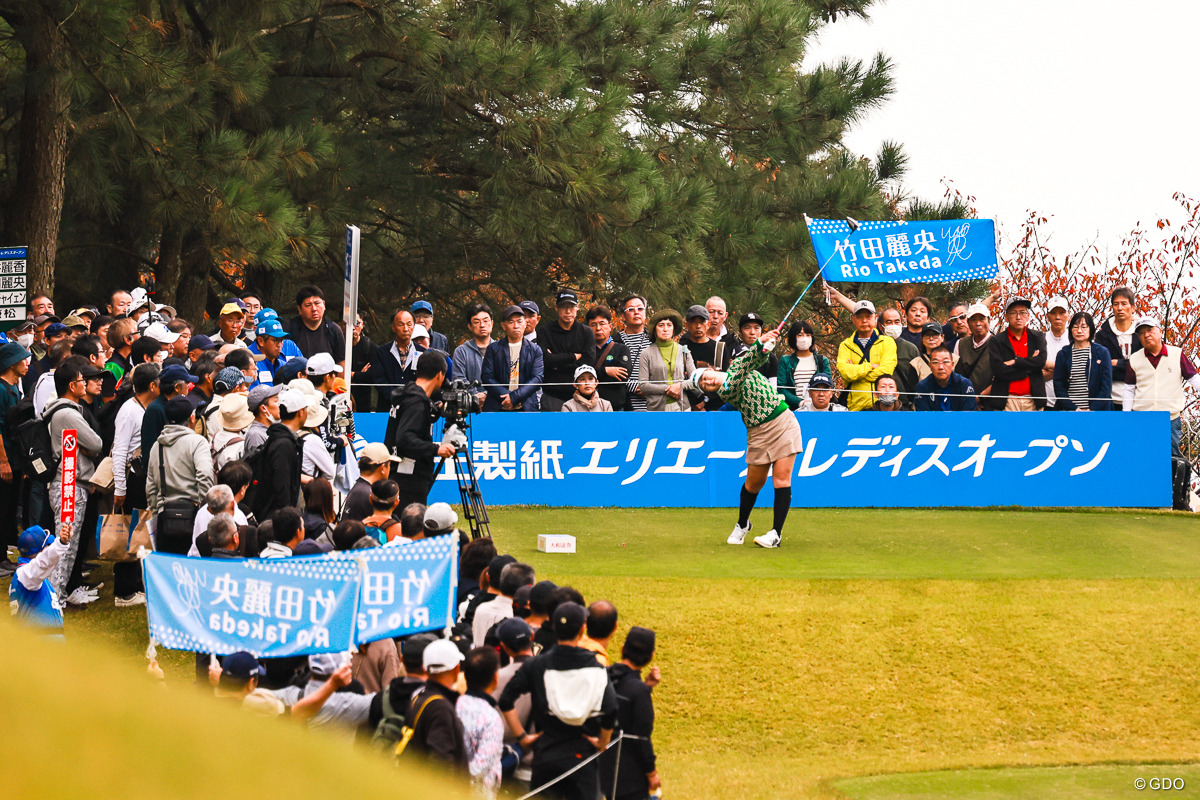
[(884, 641)]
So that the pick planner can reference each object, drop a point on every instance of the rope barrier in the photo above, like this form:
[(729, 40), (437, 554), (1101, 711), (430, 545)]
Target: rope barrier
[(615, 741)]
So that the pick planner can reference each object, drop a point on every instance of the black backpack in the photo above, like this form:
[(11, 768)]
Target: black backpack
[(255, 458), (31, 436)]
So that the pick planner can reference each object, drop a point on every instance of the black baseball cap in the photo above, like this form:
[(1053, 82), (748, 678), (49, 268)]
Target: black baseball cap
[(515, 634), (822, 380), (931, 327), (179, 409), (529, 307), (639, 644), (241, 667), (566, 297), (749, 318), (569, 619), (412, 650)]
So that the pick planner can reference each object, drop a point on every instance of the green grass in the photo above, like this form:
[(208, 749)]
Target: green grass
[(913, 646), (1078, 783)]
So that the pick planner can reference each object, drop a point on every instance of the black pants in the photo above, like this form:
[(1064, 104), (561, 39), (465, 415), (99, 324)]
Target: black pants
[(10, 527), (127, 579), (583, 784)]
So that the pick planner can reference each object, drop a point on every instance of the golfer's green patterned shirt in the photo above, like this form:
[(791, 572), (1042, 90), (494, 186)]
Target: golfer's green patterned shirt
[(748, 391)]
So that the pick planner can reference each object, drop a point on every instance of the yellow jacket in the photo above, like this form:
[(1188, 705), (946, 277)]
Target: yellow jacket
[(857, 372)]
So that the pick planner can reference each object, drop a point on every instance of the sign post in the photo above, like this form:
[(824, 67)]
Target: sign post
[(350, 296), (70, 450), (14, 293)]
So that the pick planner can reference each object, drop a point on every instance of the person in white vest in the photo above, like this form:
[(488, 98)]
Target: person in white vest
[(1159, 374)]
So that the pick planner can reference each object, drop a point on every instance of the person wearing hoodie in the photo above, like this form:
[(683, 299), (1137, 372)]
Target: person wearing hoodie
[(283, 457), (574, 708), (75, 381), (179, 473), (637, 775)]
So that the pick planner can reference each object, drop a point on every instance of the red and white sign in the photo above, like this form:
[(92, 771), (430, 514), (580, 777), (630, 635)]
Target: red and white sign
[(70, 451)]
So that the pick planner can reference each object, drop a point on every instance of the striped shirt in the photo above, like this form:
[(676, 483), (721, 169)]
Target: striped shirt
[(1077, 389), (636, 342)]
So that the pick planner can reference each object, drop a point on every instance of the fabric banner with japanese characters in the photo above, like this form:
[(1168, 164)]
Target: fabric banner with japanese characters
[(407, 589), (905, 252), (271, 607), (930, 459)]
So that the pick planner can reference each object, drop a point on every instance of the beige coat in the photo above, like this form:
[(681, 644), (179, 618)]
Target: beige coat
[(652, 378)]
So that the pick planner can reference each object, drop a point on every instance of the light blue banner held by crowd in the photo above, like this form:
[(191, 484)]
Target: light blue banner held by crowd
[(303, 605), (905, 252), (407, 589), (930, 459)]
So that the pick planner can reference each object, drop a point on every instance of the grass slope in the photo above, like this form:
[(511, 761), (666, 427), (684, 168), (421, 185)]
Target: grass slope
[(882, 642)]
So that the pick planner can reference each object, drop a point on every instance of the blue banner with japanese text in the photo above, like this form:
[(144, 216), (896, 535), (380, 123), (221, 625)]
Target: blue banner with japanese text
[(855, 459), (905, 252), (302, 605), (407, 589)]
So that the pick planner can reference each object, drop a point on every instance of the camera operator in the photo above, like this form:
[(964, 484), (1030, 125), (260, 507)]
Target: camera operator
[(410, 430)]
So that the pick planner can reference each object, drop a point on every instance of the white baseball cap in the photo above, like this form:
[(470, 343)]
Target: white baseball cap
[(1146, 322), (1058, 301), (161, 334), (863, 305), (585, 369), (420, 332), (293, 399), (441, 656), (978, 309), (322, 364)]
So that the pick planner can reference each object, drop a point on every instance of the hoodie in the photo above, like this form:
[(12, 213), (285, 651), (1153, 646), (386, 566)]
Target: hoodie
[(187, 461), (87, 435), (572, 699)]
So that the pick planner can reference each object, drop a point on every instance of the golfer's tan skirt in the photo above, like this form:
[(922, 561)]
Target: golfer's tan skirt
[(773, 440)]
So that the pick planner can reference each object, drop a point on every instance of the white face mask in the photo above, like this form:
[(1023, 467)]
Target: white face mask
[(25, 340), (887, 398), (803, 342), (893, 330)]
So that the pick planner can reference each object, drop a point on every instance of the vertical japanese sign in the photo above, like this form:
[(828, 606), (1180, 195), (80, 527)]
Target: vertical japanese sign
[(350, 292), (13, 286), (70, 450)]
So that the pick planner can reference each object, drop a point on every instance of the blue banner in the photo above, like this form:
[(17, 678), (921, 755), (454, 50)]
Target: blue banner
[(905, 252), (853, 459), (406, 588), (270, 607)]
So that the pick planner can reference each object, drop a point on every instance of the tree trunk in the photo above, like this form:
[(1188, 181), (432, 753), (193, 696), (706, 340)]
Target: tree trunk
[(181, 279), (35, 209)]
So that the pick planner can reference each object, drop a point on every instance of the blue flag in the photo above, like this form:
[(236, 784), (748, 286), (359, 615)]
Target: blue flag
[(407, 589), (905, 252)]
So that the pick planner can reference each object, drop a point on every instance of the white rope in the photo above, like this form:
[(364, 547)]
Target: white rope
[(620, 735)]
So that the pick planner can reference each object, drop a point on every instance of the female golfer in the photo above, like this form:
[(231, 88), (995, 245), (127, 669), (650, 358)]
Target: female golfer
[(772, 433)]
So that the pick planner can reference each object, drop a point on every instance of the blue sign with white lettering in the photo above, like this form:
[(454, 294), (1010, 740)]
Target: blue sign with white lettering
[(270, 607), (904, 252), (854, 459), (407, 588)]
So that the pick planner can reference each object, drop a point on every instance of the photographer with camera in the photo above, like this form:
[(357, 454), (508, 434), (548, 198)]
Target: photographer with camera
[(410, 430)]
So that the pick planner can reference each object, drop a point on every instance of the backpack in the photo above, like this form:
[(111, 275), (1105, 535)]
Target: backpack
[(31, 437), (255, 458), (393, 728)]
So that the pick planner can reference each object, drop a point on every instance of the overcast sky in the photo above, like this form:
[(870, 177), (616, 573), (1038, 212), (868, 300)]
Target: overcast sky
[(1081, 110)]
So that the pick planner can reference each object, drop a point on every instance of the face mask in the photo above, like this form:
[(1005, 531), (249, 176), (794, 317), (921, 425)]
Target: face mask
[(893, 330), (803, 342), (888, 399), (25, 340)]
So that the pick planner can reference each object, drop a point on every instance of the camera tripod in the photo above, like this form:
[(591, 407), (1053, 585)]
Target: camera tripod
[(474, 509)]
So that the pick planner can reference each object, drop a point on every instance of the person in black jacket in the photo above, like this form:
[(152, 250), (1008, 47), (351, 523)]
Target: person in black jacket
[(278, 479), (636, 775), (566, 343), (612, 359), (570, 728), (1116, 335), (1018, 355), (410, 430), (437, 731)]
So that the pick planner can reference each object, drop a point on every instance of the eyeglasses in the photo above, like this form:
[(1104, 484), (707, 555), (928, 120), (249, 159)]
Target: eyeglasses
[(958, 318), (634, 308), (1019, 312)]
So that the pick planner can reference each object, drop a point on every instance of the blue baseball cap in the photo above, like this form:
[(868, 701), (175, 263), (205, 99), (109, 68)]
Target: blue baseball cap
[(266, 313), (271, 327), (55, 328), (174, 374), (201, 342), (293, 369), (821, 380), (530, 307), (241, 667), (421, 305)]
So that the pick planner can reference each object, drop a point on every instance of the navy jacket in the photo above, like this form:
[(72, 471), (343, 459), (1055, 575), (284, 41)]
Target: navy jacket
[(495, 375), (386, 370), (1099, 379), (932, 397)]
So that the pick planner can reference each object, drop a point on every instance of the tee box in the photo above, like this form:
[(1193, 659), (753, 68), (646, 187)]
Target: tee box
[(556, 543)]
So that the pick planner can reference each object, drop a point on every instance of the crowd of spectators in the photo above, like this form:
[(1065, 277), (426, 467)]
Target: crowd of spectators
[(231, 444)]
